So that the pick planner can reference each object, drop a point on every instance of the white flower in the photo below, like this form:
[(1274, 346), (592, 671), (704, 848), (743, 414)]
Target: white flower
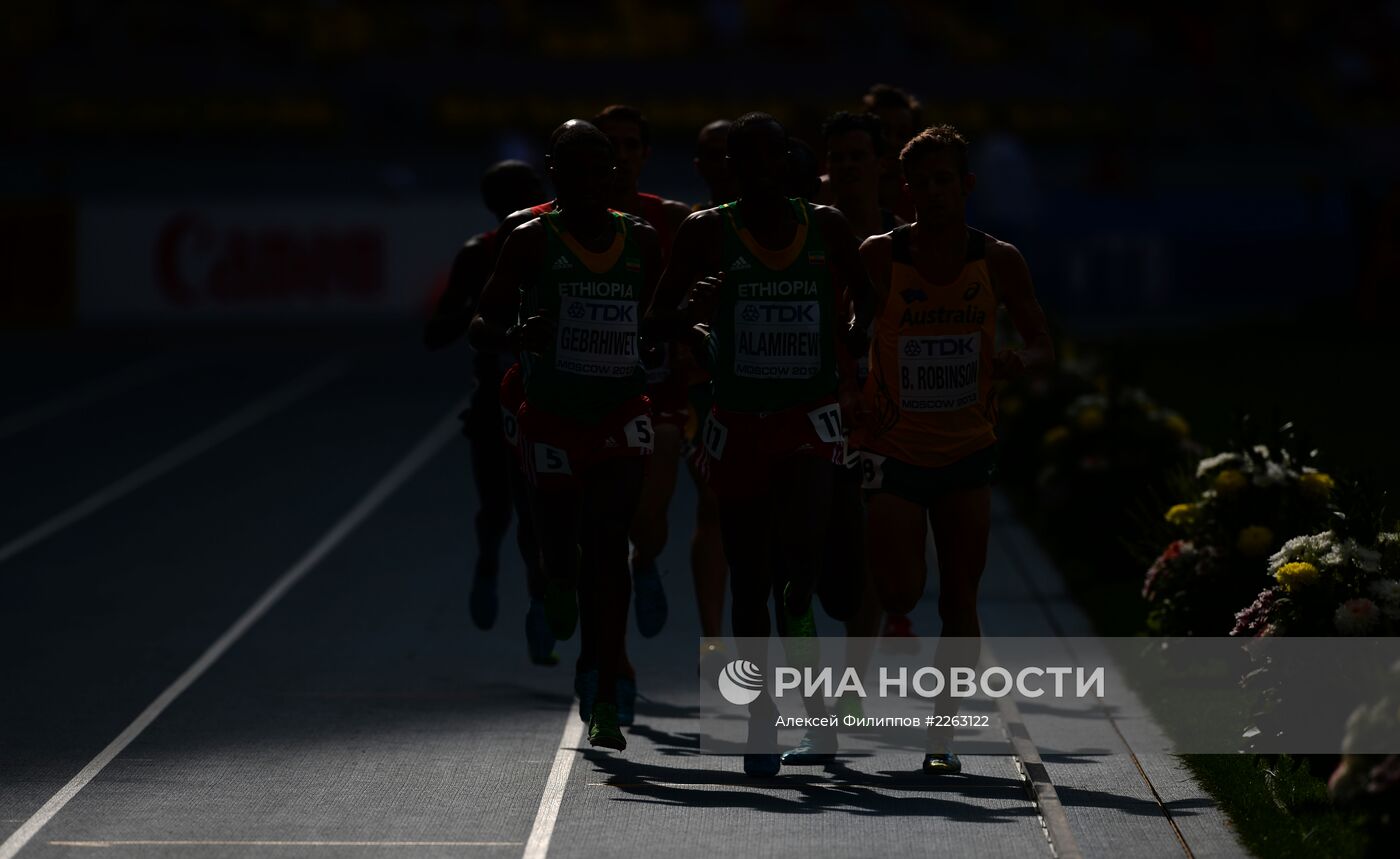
[(1262, 450), (1356, 617), (1350, 553), (1220, 460), (1309, 547), (1273, 474)]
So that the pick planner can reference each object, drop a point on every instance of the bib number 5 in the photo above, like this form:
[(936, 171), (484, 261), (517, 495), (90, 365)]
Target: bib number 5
[(639, 433)]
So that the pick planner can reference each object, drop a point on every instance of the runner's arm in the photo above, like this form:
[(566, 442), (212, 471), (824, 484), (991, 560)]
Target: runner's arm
[(846, 264), (493, 328), (1011, 279), (455, 308), (685, 294)]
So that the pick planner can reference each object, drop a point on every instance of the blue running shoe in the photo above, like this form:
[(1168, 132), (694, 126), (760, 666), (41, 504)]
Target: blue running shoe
[(539, 640), (650, 598), (626, 700), (586, 688), (483, 599)]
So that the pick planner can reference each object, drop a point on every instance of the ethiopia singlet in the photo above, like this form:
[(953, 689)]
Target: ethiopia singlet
[(930, 383), (773, 343), (593, 366)]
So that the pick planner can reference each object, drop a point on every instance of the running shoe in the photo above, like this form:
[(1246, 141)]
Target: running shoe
[(484, 601), (942, 763), (818, 747), (603, 729), (626, 699), (763, 734), (539, 640), (586, 688), (650, 598), (561, 609)]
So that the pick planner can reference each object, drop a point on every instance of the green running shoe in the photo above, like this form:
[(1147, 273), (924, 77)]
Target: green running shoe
[(561, 608), (942, 763), (603, 729)]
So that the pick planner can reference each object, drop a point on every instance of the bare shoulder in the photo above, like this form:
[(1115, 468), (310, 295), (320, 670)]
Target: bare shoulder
[(642, 231), (1002, 253), (527, 235), (877, 250)]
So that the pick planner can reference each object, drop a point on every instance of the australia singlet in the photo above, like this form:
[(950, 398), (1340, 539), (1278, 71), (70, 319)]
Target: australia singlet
[(595, 301), (773, 334), (929, 392)]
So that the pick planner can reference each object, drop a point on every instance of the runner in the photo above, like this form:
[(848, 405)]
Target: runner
[(900, 115), (765, 271), (854, 147), (708, 567), (929, 446), (574, 280), (505, 187), (667, 383)]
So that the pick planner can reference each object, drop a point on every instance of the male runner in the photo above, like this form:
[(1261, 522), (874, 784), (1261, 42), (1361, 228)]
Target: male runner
[(929, 442), (505, 187), (765, 272), (574, 279), (667, 383), (711, 162), (900, 115), (708, 567)]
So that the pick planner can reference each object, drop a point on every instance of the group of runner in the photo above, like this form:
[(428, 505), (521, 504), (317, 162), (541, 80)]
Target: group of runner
[(829, 367)]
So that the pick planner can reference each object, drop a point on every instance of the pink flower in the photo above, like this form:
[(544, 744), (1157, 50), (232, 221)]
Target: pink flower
[(1356, 616)]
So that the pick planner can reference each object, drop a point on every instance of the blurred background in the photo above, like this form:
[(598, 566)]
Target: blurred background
[(1209, 197)]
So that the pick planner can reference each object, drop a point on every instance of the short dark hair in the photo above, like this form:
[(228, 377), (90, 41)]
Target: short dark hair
[(888, 95), (505, 182), (935, 138), (744, 125), (625, 113), (575, 133), (843, 122)]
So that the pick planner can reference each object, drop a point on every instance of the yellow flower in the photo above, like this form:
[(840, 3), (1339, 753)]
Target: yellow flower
[(1255, 540), (1056, 435), (1317, 483), (1090, 419), (1182, 515), (1178, 425), (1230, 480), (1296, 575)]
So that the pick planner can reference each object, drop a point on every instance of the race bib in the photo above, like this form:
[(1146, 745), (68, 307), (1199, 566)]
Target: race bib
[(777, 339), (939, 374), (872, 470), (551, 460), (597, 337), (827, 422), (716, 434), (639, 433)]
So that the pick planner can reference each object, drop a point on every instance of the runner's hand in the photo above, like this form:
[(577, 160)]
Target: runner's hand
[(700, 301), (535, 335)]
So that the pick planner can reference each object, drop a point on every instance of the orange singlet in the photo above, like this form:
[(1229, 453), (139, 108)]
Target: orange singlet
[(929, 392)]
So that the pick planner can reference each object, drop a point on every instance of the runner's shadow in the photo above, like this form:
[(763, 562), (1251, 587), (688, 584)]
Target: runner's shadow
[(815, 791)]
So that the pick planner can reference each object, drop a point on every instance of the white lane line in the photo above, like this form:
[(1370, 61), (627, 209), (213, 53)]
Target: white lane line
[(1026, 758), (285, 843), (95, 391), (178, 455), (543, 830), (443, 432)]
